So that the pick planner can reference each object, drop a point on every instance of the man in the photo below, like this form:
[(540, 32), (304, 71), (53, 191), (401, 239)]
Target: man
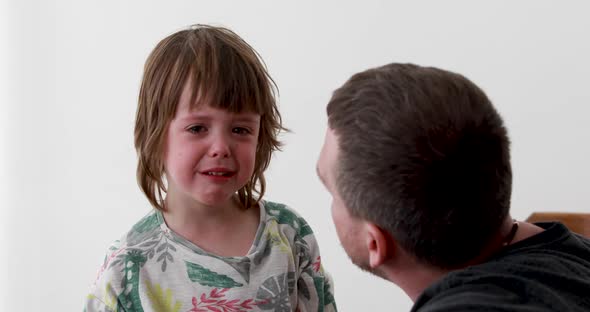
[(417, 162)]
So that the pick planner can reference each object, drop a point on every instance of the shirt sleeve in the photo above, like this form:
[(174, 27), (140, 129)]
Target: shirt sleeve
[(314, 285), (93, 304), (102, 296)]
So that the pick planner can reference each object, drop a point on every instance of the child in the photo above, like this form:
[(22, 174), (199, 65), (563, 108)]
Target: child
[(206, 127)]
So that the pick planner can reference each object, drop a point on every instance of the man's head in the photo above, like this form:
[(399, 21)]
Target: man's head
[(418, 153)]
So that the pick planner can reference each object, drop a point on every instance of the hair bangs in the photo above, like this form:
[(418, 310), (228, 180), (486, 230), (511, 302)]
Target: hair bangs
[(226, 77)]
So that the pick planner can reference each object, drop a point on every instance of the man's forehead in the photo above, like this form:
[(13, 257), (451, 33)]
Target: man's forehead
[(328, 157), (331, 143)]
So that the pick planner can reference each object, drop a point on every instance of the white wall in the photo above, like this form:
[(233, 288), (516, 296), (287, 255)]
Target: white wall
[(70, 76), (5, 98)]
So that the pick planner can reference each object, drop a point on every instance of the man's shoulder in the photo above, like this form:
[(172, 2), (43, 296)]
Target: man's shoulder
[(519, 280), (469, 292), (461, 298)]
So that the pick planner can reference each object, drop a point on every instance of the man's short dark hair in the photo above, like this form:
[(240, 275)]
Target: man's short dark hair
[(424, 155)]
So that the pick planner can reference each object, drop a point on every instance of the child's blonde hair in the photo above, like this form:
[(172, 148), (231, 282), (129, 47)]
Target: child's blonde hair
[(225, 72)]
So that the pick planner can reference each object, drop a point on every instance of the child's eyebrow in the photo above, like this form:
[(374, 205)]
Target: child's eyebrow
[(192, 117), (247, 118), (251, 119)]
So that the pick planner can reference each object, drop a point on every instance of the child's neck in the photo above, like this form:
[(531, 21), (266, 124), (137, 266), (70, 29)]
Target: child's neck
[(189, 208), (182, 215), (225, 229)]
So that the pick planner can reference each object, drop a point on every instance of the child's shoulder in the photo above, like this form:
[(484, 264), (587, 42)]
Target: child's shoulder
[(144, 233), (285, 215), (135, 246), (143, 230), (280, 211)]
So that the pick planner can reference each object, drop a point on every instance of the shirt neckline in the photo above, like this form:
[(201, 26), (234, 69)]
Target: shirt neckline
[(196, 249)]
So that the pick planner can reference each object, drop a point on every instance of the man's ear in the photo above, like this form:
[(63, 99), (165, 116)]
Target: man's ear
[(380, 245)]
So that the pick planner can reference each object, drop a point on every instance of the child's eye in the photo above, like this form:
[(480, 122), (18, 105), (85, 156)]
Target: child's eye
[(196, 129), (241, 130)]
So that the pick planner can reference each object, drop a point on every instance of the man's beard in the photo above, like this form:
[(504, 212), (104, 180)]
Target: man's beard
[(363, 264)]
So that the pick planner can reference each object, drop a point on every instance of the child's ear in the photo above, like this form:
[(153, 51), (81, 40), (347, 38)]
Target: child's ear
[(380, 245)]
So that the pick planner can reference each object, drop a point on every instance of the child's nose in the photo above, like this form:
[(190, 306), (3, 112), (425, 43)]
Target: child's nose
[(220, 147)]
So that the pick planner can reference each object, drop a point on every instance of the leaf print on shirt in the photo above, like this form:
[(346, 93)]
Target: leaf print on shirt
[(147, 237), (161, 300), (165, 254), (303, 289), (317, 265), (261, 256), (286, 216), (108, 299), (242, 266), (199, 274), (302, 251), (276, 238), (323, 290), (275, 292), (149, 249), (217, 302), (129, 298), (143, 229), (108, 262)]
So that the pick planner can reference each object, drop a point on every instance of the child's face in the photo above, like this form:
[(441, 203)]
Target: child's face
[(209, 153)]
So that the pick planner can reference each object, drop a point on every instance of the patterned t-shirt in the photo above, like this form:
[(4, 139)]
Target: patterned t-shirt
[(153, 269)]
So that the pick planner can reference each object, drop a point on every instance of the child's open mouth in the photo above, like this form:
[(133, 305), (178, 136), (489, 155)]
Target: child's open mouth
[(220, 173)]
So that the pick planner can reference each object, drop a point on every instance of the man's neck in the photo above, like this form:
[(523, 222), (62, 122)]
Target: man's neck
[(413, 280), (411, 275)]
